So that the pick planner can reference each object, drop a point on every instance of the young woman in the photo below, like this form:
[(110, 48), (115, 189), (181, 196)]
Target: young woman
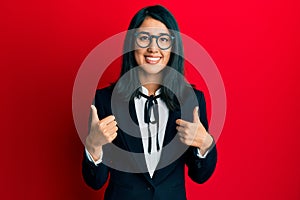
[(151, 123)]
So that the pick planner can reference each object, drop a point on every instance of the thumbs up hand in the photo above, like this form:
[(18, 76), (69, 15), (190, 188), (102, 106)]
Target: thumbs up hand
[(101, 132), (194, 133)]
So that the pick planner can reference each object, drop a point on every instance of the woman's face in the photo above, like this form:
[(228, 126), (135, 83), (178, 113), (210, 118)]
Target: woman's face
[(152, 60)]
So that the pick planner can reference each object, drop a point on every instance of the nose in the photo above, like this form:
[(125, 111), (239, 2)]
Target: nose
[(153, 48)]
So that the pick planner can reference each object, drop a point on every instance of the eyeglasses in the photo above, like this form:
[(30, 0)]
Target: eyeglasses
[(163, 41)]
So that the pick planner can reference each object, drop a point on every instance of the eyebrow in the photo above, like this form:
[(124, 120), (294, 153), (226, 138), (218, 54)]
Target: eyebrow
[(150, 34)]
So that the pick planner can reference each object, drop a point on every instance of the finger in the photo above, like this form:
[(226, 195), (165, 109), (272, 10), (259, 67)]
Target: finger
[(107, 120), (95, 117), (181, 134), (112, 137), (196, 115), (182, 122), (108, 132), (111, 124), (180, 129), (112, 128), (184, 140)]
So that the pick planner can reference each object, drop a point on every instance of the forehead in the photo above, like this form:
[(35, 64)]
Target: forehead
[(153, 26)]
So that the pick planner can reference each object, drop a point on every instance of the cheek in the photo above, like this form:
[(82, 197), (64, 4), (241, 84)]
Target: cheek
[(167, 56), (135, 55), (138, 55)]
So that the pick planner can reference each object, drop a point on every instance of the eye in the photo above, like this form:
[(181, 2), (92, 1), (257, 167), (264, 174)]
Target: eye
[(164, 39), (143, 37)]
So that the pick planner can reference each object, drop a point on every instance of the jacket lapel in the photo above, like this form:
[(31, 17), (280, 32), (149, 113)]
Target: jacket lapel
[(171, 131)]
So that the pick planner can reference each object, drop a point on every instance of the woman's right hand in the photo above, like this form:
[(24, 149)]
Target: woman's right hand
[(101, 132)]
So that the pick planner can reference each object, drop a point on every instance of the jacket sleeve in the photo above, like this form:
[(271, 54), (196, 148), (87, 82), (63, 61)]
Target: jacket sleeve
[(201, 169), (96, 176)]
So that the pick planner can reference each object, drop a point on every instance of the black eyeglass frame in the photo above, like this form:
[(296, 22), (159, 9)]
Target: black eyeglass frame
[(156, 37)]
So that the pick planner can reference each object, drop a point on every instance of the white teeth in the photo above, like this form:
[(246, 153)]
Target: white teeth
[(153, 58)]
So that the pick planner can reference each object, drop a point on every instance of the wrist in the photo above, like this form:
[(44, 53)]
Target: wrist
[(95, 151), (208, 141)]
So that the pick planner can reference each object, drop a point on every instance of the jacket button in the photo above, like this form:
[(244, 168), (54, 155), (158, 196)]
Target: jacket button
[(148, 188)]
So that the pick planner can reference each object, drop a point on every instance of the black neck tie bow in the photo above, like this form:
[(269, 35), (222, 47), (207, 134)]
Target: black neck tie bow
[(151, 103)]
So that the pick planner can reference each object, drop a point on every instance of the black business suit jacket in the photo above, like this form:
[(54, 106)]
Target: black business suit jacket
[(131, 181)]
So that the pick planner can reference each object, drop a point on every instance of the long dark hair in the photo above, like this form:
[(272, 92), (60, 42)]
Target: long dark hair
[(176, 60)]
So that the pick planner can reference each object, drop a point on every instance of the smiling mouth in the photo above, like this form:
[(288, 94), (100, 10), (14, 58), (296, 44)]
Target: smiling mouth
[(152, 60)]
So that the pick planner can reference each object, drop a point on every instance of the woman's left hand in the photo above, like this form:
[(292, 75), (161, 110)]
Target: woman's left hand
[(194, 133)]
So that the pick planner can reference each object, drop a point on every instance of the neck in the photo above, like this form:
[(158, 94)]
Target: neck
[(150, 82), (152, 88)]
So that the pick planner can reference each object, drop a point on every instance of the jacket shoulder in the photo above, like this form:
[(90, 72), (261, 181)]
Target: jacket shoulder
[(104, 94), (198, 93)]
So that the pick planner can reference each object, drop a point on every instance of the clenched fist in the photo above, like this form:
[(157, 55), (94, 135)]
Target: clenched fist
[(101, 132), (194, 133)]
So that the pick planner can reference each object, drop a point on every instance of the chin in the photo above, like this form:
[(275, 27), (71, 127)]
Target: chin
[(152, 69)]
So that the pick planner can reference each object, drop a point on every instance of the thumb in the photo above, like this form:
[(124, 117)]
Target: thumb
[(95, 117), (196, 116)]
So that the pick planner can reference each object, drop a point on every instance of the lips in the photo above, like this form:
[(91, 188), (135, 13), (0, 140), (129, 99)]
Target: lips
[(152, 59)]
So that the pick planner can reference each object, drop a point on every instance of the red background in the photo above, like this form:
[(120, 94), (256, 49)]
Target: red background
[(255, 45)]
